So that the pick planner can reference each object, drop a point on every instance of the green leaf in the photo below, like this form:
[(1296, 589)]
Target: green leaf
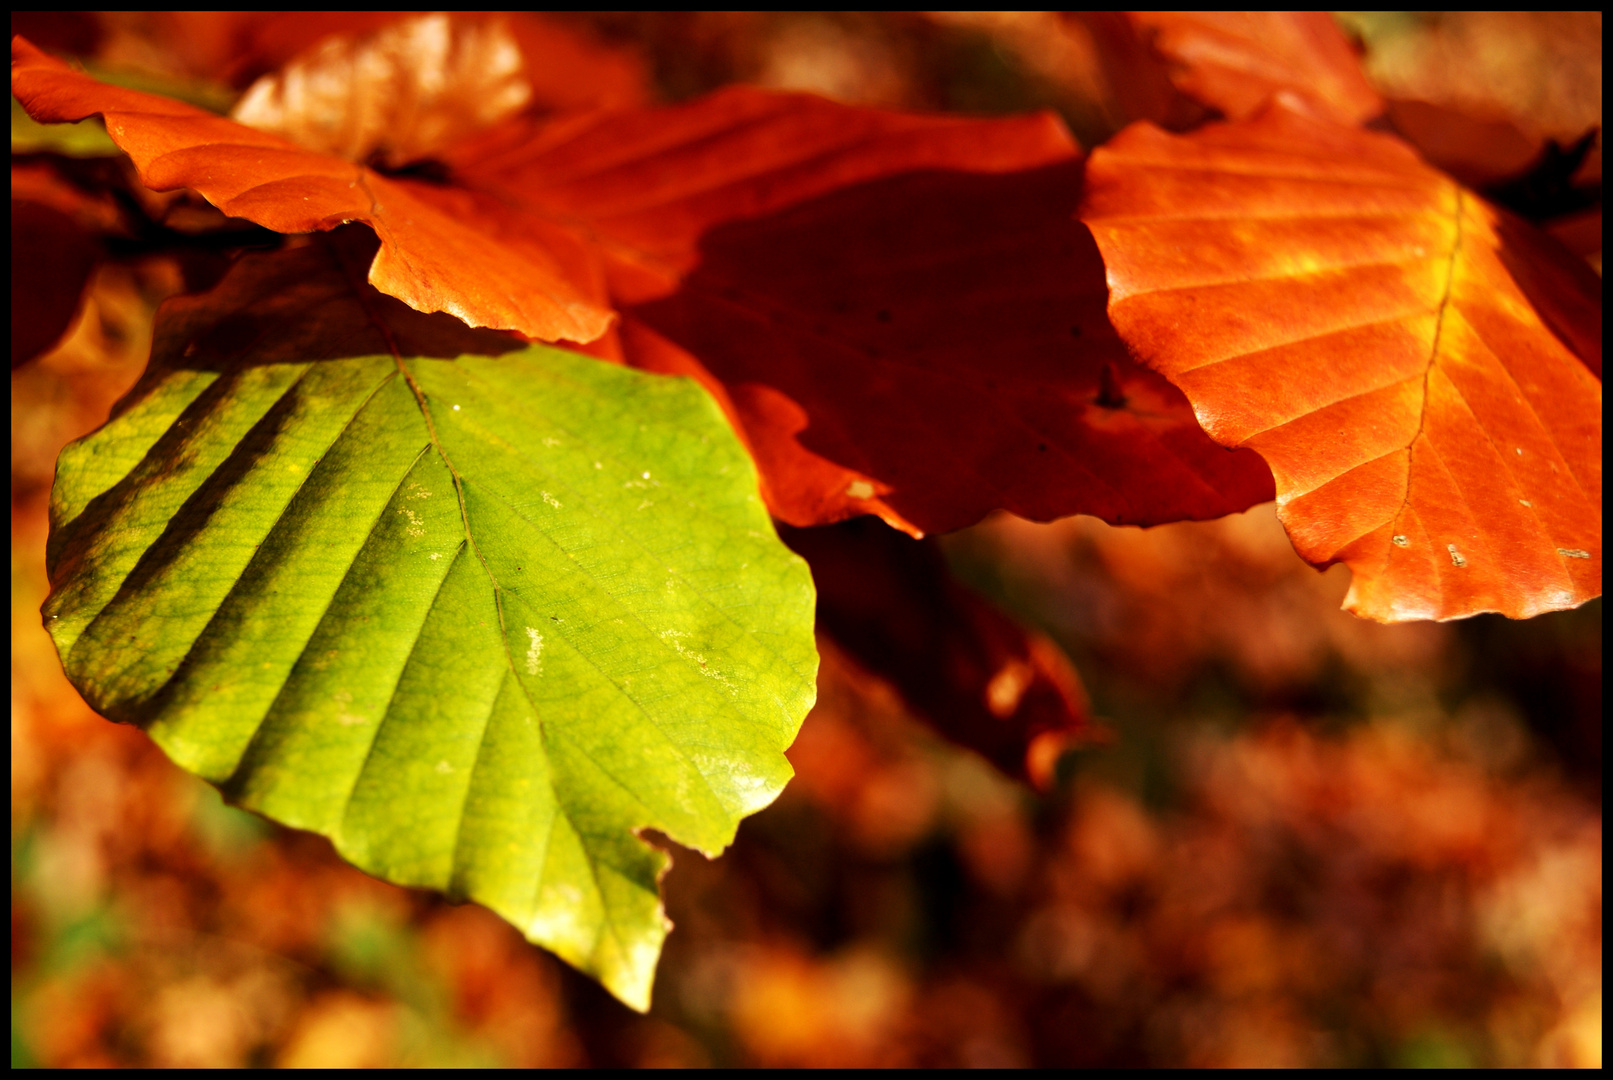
[(478, 620), (85, 139), (88, 138)]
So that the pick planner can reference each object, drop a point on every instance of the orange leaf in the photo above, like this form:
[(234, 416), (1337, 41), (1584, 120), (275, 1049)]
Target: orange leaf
[(1236, 60), (645, 185), (305, 302), (428, 259), (1375, 332)]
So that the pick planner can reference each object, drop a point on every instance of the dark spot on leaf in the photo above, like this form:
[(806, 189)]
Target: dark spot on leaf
[(883, 315), (1075, 331), (426, 171), (1042, 447), (1110, 393)]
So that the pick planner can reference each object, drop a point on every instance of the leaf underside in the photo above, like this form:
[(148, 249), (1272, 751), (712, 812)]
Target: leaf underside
[(478, 621)]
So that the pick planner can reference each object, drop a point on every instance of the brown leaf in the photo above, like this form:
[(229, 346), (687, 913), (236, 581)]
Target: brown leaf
[(1366, 325), (52, 257), (978, 677)]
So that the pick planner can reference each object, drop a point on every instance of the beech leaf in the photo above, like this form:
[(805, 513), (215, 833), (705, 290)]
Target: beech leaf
[(935, 364), (52, 258), (396, 96), (567, 70), (480, 620), (429, 259), (1235, 61), (1415, 366), (750, 233)]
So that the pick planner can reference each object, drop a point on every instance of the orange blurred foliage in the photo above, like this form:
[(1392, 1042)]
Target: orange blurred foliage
[(1314, 840)]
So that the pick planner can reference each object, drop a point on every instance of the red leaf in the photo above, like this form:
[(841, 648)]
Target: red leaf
[(1383, 339), (978, 677), (937, 363), (56, 257), (1235, 61), (56, 231), (645, 185)]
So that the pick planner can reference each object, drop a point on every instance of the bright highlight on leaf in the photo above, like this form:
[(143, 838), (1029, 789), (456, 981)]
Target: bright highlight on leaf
[(1393, 347), (396, 96), (478, 620)]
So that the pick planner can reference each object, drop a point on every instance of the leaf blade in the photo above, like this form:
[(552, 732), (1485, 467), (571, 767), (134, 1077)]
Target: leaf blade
[(358, 646), (1328, 300), (426, 257)]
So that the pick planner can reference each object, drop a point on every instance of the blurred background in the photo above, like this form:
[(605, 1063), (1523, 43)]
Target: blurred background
[(1307, 840)]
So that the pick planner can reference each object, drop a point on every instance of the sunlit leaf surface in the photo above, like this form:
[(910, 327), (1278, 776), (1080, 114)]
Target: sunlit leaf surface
[(478, 620), (1417, 368)]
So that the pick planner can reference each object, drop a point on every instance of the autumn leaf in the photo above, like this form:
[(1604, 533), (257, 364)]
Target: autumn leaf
[(563, 69), (478, 619), (933, 365), (1376, 333), (427, 258), (395, 88), (56, 242), (1235, 61), (972, 673), (52, 258), (986, 390)]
